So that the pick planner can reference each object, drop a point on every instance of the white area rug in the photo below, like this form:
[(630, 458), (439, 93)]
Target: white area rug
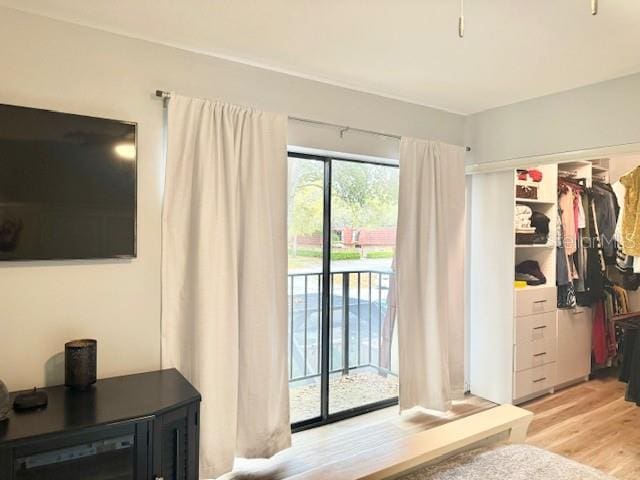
[(510, 462)]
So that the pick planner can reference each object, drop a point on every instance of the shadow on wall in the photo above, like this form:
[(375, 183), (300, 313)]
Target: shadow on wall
[(54, 370)]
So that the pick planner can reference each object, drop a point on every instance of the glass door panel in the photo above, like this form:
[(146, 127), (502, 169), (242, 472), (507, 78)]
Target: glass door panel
[(305, 248), (363, 346)]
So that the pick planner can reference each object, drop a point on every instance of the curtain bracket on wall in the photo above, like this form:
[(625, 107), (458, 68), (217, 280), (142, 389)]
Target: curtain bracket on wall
[(343, 128)]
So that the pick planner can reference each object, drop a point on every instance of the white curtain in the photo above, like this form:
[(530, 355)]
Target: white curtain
[(224, 271), (430, 274)]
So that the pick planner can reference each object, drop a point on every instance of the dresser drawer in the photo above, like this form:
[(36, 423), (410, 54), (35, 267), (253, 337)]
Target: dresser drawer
[(531, 301), (533, 328), (535, 354), (534, 380)]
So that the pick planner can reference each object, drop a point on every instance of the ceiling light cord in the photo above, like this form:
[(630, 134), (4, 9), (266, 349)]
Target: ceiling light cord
[(594, 7)]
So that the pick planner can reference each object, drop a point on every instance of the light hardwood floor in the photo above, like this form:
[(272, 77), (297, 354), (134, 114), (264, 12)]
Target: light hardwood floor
[(589, 422), (341, 440), (592, 424)]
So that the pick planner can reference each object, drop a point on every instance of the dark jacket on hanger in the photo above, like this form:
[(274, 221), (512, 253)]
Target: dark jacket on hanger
[(607, 210), (594, 279)]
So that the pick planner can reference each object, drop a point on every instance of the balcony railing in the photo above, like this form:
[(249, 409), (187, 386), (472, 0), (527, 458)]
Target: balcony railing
[(358, 304)]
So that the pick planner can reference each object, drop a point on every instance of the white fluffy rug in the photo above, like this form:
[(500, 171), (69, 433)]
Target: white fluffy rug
[(509, 462)]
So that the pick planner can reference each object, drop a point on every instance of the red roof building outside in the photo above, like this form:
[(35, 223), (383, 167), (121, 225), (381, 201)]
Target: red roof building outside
[(358, 238)]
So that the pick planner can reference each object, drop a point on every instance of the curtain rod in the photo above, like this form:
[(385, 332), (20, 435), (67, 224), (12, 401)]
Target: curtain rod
[(343, 128)]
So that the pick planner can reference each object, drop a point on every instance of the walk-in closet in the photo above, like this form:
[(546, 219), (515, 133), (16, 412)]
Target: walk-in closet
[(553, 274)]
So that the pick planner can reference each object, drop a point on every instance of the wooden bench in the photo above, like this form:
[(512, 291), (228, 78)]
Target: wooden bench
[(428, 446)]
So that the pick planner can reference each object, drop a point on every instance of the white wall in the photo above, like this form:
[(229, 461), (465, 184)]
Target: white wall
[(621, 165), (50, 64), (599, 115)]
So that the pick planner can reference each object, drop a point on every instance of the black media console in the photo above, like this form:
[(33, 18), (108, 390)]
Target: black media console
[(135, 427)]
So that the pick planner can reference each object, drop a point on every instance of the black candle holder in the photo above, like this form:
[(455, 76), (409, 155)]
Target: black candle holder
[(80, 357)]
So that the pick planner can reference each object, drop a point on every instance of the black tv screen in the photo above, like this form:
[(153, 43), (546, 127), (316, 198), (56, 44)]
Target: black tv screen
[(67, 186)]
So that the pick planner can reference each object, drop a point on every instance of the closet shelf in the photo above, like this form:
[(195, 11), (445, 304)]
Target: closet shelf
[(536, 201), (528, 183), (573, 165), (535, 287)]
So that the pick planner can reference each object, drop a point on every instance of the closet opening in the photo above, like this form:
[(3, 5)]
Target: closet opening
[(561, 243)]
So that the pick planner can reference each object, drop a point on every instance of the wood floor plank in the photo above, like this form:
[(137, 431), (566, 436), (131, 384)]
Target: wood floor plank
[(590, 423)]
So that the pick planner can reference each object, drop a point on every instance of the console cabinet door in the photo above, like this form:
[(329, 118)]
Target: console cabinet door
[(175, 448), (111, 451), (6, 466)]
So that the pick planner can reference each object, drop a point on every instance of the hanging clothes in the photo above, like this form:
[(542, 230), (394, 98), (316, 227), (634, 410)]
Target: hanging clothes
[(630, 370), (583, 242), (599, 335), (562, 267), (605, 337), (578, 266), (566, 295), (582, 221), (606, 207), (631, 215), (627, 265), (620, 192), (627, 346), (610, 337), (593, 265), (567, 216), (596, 238)]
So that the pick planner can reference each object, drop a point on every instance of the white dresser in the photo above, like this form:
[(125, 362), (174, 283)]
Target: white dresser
[(535, 342)]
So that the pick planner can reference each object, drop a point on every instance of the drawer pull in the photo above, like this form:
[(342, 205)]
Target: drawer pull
[(539, 380), (540, 301), (540, 327), (539, 354)]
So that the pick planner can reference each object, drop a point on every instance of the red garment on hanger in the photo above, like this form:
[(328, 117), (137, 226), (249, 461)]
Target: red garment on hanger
[(599, 335)]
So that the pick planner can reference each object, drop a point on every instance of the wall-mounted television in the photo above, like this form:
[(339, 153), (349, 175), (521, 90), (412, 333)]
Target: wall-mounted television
[(67, 186)]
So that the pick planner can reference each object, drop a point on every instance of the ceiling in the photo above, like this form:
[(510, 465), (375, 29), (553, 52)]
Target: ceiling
[(513, 50)]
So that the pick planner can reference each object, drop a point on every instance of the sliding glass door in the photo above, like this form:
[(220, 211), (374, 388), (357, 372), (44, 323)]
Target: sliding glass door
[(364, 211), (305, 282), (342, 335)]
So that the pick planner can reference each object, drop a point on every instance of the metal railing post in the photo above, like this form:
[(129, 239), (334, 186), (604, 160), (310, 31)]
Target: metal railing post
[(359, 340), (379, 318), (345, 323), (306, 314), (292, 334), (370, 330), (319, 343)]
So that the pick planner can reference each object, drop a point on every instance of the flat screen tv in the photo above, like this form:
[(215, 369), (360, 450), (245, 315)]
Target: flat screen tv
[(67, 186)]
